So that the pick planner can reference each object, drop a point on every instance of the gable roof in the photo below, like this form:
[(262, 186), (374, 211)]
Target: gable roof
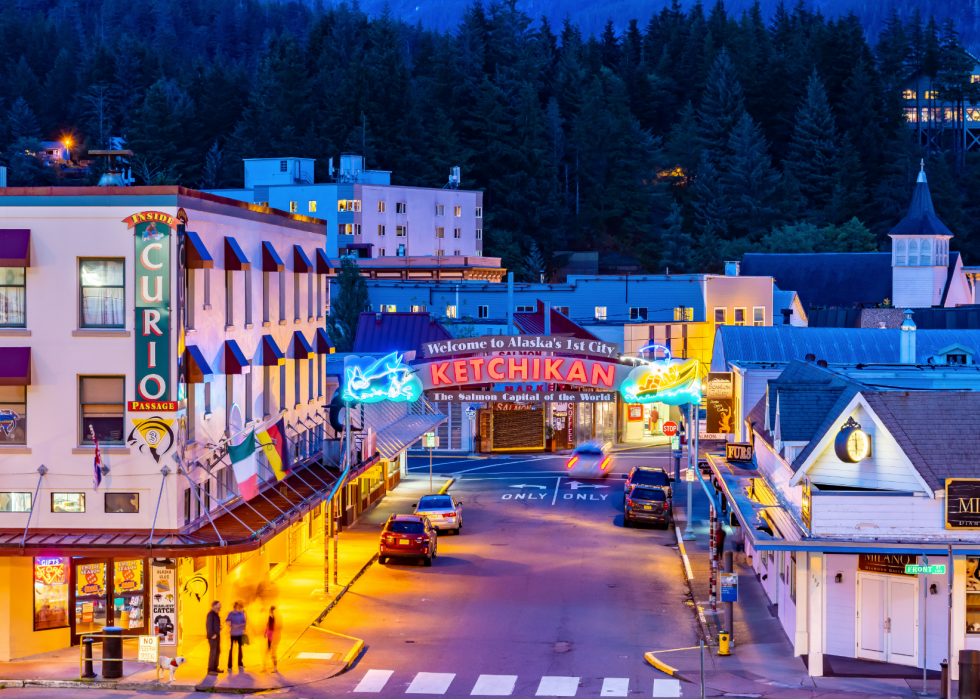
[(804, 393), (397, 332), (826, 279), (533, 324)]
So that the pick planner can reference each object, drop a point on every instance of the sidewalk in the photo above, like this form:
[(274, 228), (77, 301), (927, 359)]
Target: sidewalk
[(309, 650)]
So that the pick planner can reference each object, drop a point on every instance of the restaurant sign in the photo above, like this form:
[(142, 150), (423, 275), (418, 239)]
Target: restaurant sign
[(963, 503), (151, 230), (888, 563)]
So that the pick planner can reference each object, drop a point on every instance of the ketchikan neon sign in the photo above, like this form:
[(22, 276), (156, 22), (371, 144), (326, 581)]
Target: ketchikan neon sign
[(370, 380)]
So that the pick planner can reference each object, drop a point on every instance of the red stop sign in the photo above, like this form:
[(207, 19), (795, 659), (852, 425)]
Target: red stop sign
[(670, 428)]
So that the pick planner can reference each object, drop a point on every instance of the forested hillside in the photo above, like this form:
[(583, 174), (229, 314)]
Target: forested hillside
[(682, 142)]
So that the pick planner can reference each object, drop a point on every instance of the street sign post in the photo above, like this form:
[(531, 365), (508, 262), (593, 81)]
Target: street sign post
[(670, 429), (430, 440), (675, 443), (911, 569), (689, 475), (149, 651), (729, 587)]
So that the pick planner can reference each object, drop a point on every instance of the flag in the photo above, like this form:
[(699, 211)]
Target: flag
[(273, 441), (245, 466), (97, 475)]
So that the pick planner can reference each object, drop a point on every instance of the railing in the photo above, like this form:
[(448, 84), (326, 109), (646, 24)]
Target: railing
[(88, 672)]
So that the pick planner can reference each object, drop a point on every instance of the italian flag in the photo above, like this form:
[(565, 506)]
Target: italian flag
[(246, 466)]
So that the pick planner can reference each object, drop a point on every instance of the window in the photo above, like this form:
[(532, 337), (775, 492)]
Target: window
[(265, 297), (381, 252), (310, 378), (282, 387), (248, 396), (192, 412), (282, 166), (975, 78), (758, 315), (388, 308), (524, 309), (720, 315), (479, 234), (401, 251), (13, 415), (207, 401), (401, 231), (479, 212), (683, 313), (15, 502), (908, 94), (899, 252), (450, 311), (297, 381), (12, 297), (122, 503), (266, 391), (600, 312), (187, 505), (440, 210), (792, 576), (102, 409), (190, 305), (562, 309), (483, 311), (319, 376), (207, 289), (348, 205), (345, 229), (230, 297), (381, 230), (248, 298), (457, 232), (440, 252), (401, 207), (293, 207), (739, 316), (638, 313), (913, 253), (68, 502), (931, 94), (457, 253), (312, 207), (282, 298), (418, 309), (297, 296), (956, 359), (103, 297), (51, 588), (440, 232), (382, 207), (457, 211), (229, 401), (925, 253)]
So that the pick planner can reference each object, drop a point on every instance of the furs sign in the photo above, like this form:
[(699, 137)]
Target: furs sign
[(152, 233)]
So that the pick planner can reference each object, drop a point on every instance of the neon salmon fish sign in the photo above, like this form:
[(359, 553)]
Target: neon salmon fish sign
[(370, 380)]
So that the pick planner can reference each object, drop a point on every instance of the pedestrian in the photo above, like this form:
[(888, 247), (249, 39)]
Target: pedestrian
[(237, 621), (273, 632), (213, 631)]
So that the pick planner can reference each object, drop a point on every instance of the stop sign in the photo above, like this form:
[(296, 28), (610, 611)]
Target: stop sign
[(670, 428)]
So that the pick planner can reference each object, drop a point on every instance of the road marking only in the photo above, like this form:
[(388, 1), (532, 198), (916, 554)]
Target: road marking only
[(431, 683), (557, 687), (615, 687), (666, 688)]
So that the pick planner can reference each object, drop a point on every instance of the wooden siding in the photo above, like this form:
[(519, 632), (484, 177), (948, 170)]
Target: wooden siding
[(841, 606), (877, 516), (777, 472)]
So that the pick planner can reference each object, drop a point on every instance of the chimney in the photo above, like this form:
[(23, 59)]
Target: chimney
[(822, 363), (906, 352), (731, 268), (810, 357), (787, 312), (510, 303)]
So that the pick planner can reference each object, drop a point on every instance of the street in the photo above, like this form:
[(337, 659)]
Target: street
[(544, 592)]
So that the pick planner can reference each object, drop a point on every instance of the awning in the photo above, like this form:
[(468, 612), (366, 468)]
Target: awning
[(233, 360), (15, 366), (301, 348), (323, 344), (198, 369), (196, 253), (270, 354), (301, 263), (15, 247), (271, 262), (322, 262), (396, 438), (235, 259)]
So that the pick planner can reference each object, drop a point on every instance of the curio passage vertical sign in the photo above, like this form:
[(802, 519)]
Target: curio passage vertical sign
[(151, 230)]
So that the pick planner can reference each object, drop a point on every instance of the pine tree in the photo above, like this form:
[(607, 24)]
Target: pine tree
[(711, 206), (534, 265), (812, 156), (676, 243), (721, 107), (21, 121), (750, 181), (346, 308)]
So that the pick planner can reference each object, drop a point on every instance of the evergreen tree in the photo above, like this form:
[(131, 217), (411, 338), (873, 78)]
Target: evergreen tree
[(750, 181), (812, 157), (721, 107), (346, 308), (711, 206), (21, 122), (676, 243)]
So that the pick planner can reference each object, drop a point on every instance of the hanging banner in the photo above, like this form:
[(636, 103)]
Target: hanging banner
[(151, 231), (719, 398), (163, 603)]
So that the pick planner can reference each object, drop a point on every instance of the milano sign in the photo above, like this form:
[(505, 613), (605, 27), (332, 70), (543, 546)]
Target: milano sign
[(152, 231)]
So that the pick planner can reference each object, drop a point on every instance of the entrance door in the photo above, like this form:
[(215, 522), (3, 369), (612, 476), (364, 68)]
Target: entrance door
[(888, 618)]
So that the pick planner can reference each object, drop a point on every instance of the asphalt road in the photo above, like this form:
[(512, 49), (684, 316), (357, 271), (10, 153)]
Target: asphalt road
[(544, 582)]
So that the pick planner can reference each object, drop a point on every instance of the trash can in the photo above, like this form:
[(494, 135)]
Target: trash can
[(112, 647), (969, 674)]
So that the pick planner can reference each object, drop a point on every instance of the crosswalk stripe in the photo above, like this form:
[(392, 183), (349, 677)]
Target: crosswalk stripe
[(314, 656), (615, 687), (494, 686), (374, 681), (666, 688), (557, 687), (430, 683)]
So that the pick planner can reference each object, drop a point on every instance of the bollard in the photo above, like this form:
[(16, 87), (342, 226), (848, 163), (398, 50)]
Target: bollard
[(112, 648), (723, 639), (944, 679), (969, 674), (89, 671)]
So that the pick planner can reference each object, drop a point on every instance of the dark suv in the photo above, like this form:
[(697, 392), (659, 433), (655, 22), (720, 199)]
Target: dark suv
[(650, 476), (647, 504)]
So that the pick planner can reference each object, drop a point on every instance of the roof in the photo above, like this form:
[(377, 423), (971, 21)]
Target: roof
[(788, 300), (533, 324), (921, 218), (396, 438), (828, 279), (397, 332), (784, 343)]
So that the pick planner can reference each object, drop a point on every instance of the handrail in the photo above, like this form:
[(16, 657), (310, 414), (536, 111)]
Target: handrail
[(103, 659)]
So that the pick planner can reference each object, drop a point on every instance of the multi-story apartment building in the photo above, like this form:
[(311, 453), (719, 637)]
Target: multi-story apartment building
[(365, 214)]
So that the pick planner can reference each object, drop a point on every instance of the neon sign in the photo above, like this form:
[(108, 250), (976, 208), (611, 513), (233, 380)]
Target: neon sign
[(668, 381), (51, 571), (521, 369), (369, 380)]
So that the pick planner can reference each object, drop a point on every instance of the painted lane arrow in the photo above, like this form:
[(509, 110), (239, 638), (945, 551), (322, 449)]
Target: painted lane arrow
[(576, 485), (528, 486)]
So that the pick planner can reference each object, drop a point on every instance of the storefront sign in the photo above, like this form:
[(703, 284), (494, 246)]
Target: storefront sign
[(729, 587), (518, 343), (161, 406), (163, 603), (553, 396), (925, 570), (149, 649), (51, 593), (513, 407), (669, 381), (370, 380), (963, 503), (154, 436), (521, 368), (51, 571), (152, 234), (91, 580), (127, 576), (889, 563), (739, 452), (719, 399)]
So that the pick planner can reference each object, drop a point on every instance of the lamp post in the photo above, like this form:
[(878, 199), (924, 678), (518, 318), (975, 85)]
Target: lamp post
[(691, 463)]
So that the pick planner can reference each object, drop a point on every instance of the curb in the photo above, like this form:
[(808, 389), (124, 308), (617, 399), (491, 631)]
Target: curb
[(663, 667), (445, 488), (690, 579), (344, 590)]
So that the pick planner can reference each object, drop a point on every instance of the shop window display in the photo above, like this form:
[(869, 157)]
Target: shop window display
[(90, 598), (127, 600), (973, 595), (50, 593)]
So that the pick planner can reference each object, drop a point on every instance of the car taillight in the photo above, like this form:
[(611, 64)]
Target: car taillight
[(605, 463), (449, 516), (572, 462), (629, 503)]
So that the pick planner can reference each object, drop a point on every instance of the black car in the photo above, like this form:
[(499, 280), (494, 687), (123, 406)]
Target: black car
[(647, 504), (651, 476)]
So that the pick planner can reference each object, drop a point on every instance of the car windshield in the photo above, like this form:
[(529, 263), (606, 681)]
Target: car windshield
[(436, 502), (652, 494), (650, 478), (406, 527)]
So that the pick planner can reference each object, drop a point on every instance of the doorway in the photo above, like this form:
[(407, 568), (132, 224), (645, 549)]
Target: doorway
[(888, 618)]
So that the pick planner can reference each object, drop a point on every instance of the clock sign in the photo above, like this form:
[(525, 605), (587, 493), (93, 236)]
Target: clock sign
[(852, 443)]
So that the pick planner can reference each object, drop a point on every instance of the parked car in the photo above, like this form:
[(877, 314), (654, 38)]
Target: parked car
[(651, 476), (444, 512), (591, 459), (647, 504), (408, 536)]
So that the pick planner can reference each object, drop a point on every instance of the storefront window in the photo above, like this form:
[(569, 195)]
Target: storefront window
[(90, 598), (13, 414), (973, 595), (15, 502), (50, 593), (792, 576), (127, 599), (122, 502), (68, 502)]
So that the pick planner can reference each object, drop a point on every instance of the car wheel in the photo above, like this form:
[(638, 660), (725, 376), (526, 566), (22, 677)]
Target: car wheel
[(381, 560), (427, 561), (458, 529), (626, 521)]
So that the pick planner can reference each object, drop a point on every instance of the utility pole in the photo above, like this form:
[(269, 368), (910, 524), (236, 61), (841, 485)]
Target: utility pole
[(691, 463)]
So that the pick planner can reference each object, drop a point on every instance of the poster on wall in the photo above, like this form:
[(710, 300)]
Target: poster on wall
[(163, 603), (719, 402), (91, 580)]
